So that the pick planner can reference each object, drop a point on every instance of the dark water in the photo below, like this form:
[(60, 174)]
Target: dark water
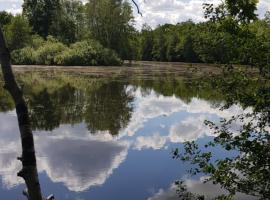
[(105, 139)]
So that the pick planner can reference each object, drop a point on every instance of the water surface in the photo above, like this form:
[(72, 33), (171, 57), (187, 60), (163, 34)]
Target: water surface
[(110, 138)]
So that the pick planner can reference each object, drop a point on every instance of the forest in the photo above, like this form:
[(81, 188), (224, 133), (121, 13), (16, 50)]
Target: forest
[(102, 32)]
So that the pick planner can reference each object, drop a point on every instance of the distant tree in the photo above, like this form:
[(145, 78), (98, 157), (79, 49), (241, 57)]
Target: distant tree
[(146, 43), (76, 12), (159, 45), (242, 10), (109, 22), (69, 26), (5, 18), (188, 53), (18, 33), (41, 14)]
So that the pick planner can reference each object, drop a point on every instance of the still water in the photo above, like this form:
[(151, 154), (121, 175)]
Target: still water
[(110, 138)]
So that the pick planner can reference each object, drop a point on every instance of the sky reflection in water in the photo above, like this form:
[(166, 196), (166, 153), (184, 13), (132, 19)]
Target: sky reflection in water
[(134, 164)]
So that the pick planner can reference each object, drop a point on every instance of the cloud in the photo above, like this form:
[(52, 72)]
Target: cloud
[(196, 187), (152, 106), (155, 142), (155, 11), (13, 6), (149, 107), (190, 129), (79, 161), (10, 149), (169, 194), (79, 164), (9, 167)]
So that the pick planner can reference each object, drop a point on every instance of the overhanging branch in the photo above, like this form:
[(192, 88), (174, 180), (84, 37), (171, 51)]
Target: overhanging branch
[(138, 9)]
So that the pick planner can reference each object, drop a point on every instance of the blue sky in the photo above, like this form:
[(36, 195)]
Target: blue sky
[(157, 11)]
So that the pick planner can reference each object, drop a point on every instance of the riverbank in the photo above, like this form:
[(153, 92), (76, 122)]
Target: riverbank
[(137, 68)]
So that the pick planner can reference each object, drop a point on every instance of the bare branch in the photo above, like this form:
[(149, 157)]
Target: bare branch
[(138, 9)]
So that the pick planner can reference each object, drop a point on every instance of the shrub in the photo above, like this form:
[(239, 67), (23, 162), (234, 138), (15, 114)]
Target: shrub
[(37, 41), (23, 56), (53, 52), (46, 53), (87, 53)]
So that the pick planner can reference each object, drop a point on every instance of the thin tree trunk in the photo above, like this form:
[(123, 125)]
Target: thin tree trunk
[(29, 170)]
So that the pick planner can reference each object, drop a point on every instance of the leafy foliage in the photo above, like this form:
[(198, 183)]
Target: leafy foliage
[(87, 53), (247, 172), (53, 52), (17, 32), (110, 23)]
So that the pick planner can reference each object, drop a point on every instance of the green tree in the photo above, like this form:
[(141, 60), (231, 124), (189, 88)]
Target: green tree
[(188, 52), (69, 26), (5, 18), (18, 33), (146, 43), (110, 23), (76, 12), (242, 10), (41, 14)]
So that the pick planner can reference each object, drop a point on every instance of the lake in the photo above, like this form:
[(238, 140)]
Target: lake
[(109, 133)]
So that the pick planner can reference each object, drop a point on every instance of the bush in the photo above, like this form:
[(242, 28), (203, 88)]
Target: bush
[(53, 52), (87, 53), (23, 56), (45, 54)]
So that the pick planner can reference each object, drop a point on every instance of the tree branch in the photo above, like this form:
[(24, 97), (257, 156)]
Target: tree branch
[(138, 9)]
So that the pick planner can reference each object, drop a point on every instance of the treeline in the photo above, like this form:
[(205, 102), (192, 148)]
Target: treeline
[(68, 32), (208, 42), (223, 40), (101, 32)]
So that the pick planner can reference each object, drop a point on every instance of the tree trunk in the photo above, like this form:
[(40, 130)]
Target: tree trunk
[(29, 170)]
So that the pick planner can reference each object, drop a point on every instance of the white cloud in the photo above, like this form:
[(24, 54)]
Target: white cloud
[(156, 11), (79, 164), (70, 155), (155, 142), (190, 129), (197, 187), (151, 106), (169, 194), (9, 150), (13, 6)]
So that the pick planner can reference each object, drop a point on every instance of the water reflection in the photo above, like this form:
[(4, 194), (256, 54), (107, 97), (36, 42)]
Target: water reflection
[(79, 164), (92, 137), (209, 190), (108, 108)]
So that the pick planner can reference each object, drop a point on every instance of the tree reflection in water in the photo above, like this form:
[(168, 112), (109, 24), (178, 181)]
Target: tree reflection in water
[(109, 108)]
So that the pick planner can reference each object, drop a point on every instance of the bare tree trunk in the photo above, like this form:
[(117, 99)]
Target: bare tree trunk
[(29, 170)]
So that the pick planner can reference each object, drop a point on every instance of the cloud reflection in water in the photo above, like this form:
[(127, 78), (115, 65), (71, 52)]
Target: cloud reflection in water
[(80, 160)]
